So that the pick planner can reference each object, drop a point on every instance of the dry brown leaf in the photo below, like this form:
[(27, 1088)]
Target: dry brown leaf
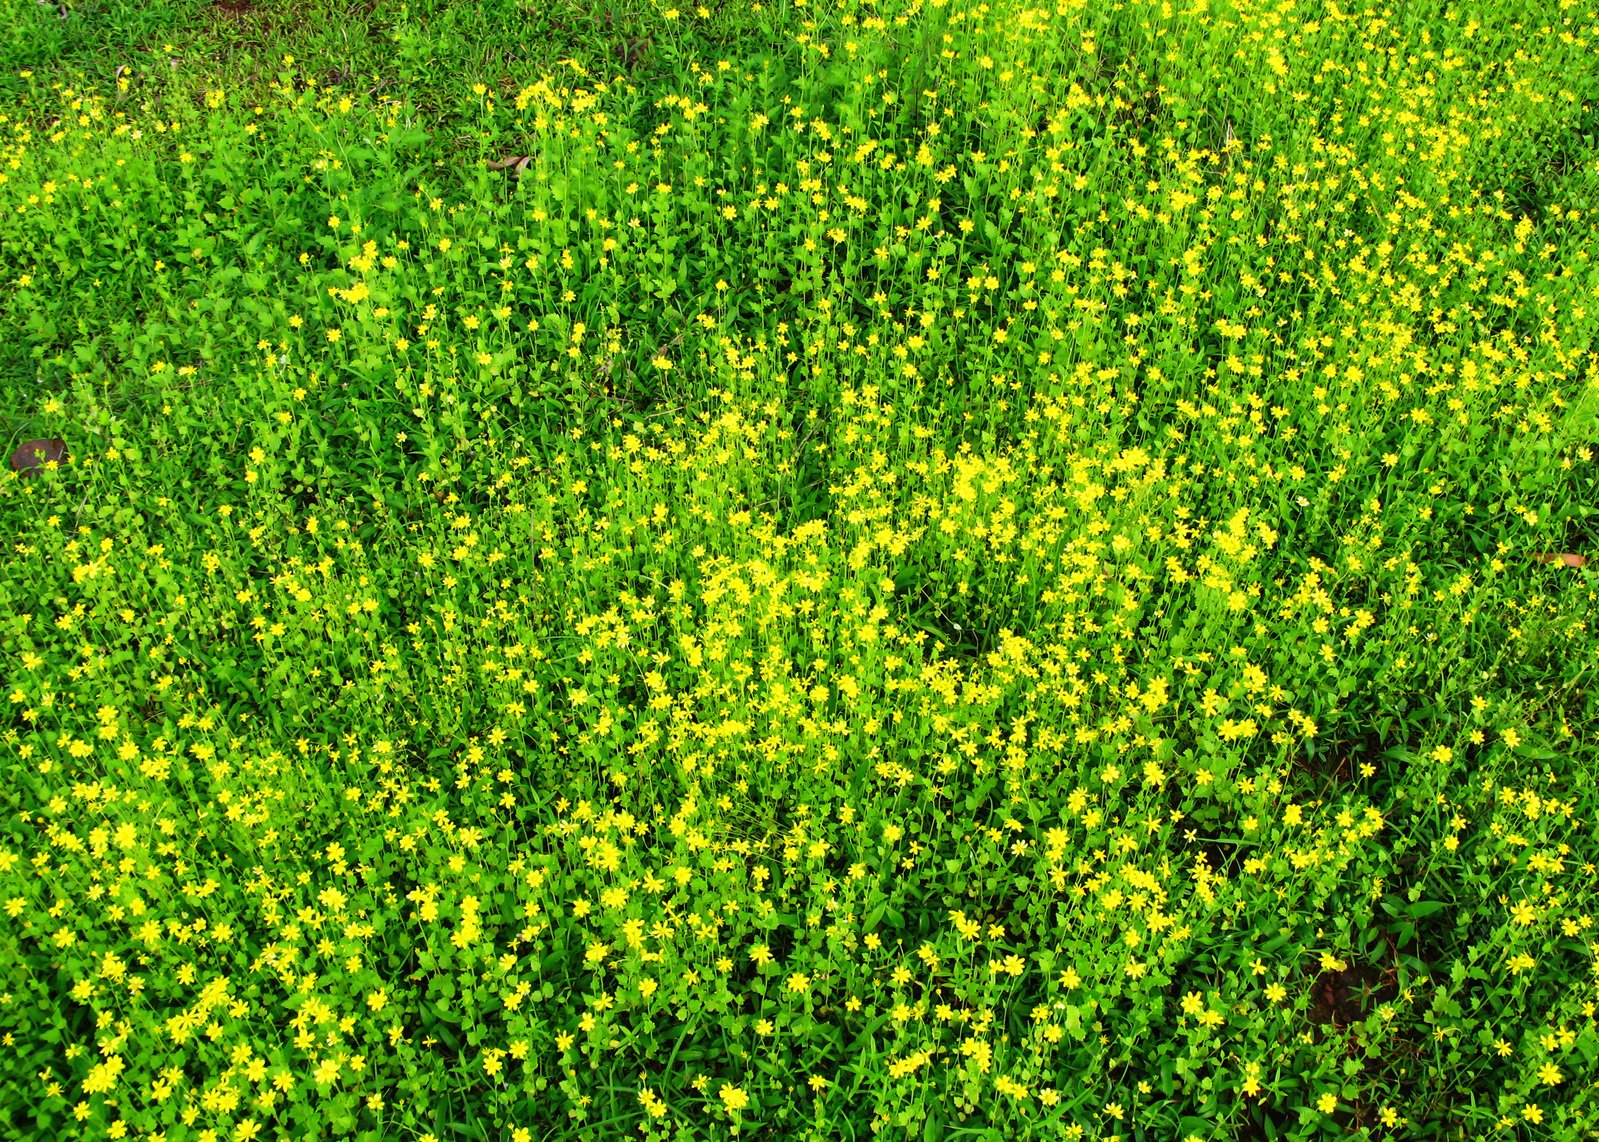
[(1564, 559), (33, 455)]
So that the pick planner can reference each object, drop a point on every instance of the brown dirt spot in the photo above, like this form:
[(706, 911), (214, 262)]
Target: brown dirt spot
[(1344, 996)]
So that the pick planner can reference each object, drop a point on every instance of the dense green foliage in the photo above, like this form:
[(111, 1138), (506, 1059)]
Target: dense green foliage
[(923, 569)]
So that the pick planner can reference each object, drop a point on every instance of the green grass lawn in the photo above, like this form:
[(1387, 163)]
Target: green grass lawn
[(910, 569)]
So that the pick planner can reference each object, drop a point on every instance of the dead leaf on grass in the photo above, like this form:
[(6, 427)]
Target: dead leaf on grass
[(514, 163), (33, 455), (1564, 559)]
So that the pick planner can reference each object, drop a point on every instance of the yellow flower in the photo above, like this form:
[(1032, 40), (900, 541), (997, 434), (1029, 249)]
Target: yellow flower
[(1327, 1103), (733, 1098), (652, 1103), (103, 1076), (1251, 1085)]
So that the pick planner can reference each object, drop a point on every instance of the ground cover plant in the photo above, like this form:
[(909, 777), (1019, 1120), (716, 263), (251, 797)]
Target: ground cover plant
[(943, 570)]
